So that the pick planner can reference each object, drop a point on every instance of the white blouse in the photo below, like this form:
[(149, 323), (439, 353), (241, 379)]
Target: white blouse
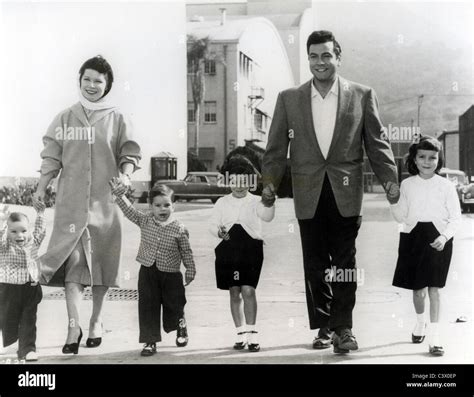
[(428, 200), (247, 211)]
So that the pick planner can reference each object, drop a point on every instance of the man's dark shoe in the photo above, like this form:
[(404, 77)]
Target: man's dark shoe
[(149, 349), (324, 339), (345, 340)]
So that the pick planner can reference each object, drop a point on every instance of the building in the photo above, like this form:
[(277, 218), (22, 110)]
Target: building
[(466, 142), (450, 142), (248, 66), (292, 19)]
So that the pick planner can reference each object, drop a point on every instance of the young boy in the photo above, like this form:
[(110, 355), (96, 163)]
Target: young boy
[(164, 244), (20, 292)]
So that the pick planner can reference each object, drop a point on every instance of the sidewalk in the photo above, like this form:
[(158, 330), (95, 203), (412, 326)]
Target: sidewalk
[(383, 315)]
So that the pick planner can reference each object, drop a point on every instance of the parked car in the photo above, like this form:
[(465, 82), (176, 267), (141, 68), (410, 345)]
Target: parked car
[(197, 185), (464, 189)]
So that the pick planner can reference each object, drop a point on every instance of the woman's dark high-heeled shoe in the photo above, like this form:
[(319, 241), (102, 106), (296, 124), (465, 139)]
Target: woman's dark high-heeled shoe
[(73, 348), (95, 342)]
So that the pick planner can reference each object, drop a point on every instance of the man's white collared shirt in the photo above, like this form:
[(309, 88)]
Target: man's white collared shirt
[(324, 115)]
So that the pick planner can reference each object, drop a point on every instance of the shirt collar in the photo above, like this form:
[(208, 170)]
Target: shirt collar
[(165, 223), (334, 89)]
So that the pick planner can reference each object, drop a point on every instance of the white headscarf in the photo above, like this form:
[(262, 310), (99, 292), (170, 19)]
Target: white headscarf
[(101, 104)]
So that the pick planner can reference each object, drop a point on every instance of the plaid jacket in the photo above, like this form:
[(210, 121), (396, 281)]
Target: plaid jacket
[(19, 265), (166, 245)]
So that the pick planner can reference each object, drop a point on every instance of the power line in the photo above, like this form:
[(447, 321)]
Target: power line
[(426, 95)]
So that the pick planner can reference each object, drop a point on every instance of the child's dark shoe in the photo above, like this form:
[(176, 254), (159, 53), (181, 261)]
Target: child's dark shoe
[(182, 334), (436, 350), (254, 347), (149, 349), (239, 345)]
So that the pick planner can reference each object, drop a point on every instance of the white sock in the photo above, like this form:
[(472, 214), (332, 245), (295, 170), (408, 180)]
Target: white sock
[(420, 325), (252, 334), (241, 335), (434, 339)]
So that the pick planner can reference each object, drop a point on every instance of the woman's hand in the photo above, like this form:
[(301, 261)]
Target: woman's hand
[(439, 243), (125, 179), (39, 206), (223, 234), (118, 187), (38, 195)]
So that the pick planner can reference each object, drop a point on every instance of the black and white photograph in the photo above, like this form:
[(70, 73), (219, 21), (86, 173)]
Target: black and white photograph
[(234, 184)]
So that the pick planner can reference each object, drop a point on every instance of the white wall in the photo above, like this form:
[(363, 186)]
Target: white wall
[(42, 48)]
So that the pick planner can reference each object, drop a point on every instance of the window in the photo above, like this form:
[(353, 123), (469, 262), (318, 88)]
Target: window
[(210, 109), (191, 115), (210, 66), (258, 120)]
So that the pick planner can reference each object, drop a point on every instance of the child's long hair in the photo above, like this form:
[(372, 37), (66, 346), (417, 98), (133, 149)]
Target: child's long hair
[(239, 165), (425, 143)]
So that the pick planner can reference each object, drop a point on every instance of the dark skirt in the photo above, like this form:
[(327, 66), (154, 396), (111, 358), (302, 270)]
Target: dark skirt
[(238, 260), (419, 265)]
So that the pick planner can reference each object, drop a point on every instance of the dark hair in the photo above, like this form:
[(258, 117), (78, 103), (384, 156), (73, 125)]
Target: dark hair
[(100, 65), (323, 36), (238, 165), (424, 143), (160, 190), (17, 217)]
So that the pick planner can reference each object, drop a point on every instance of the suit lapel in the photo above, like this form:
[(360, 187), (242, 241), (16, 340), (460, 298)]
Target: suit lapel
[(344, 99), (305, 106)]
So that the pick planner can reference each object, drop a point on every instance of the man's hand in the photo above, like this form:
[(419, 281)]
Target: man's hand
[(118, 187), (188, 278), (439, 243), (393, 192), (223, 234), (268, 195)]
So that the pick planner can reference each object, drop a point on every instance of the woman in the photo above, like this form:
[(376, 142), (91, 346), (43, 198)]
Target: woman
[(90, 143)]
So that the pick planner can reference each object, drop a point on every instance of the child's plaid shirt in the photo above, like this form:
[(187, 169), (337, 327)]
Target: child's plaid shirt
[(19, 265), (166, 245)]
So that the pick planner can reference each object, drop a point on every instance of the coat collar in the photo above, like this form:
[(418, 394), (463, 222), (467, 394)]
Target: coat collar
[(96, 115)]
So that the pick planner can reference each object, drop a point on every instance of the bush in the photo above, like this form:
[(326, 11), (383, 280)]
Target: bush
[(22, 194)]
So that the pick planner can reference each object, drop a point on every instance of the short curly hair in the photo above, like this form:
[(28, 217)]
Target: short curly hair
[(424, 143), (100, 65)]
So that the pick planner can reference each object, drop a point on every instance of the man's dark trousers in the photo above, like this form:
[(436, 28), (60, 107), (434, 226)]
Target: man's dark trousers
[(328, 241)]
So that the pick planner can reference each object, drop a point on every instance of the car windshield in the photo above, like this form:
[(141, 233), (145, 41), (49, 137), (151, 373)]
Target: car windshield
[(457, 178)]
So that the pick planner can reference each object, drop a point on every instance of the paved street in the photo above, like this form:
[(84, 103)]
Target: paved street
[(383, 316)]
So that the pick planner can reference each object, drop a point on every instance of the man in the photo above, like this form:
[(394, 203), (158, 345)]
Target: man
[(327, 122)]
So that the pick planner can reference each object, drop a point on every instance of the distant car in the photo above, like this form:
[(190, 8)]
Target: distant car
[(197, 185), (464, 189)]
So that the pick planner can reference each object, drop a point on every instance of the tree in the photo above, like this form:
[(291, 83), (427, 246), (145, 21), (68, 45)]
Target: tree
[(197, 54)]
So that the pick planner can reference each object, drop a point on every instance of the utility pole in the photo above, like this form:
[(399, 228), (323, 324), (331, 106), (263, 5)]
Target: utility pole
[(420, 101)]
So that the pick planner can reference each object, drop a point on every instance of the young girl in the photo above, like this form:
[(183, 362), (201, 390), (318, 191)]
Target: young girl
[(430, 213), (236, 219)]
